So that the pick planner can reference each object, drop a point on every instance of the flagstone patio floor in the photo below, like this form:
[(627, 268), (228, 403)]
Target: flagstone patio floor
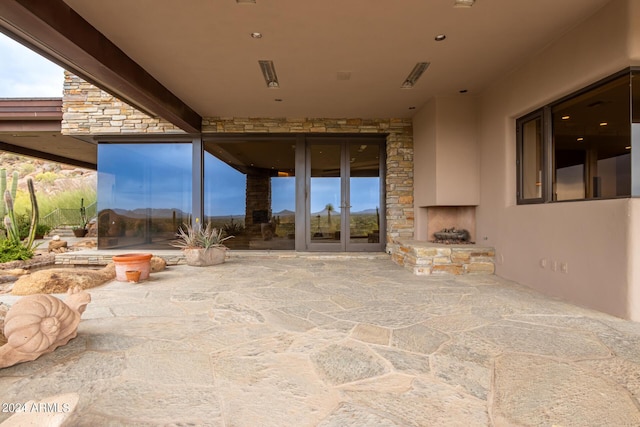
[(336, 341)]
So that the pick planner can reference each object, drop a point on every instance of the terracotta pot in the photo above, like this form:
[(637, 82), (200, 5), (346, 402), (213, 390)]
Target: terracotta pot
[(203, 257), (132, 276), (139, 262), (80, 232)]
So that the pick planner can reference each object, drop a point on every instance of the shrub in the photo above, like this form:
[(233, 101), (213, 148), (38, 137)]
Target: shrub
[(11, 251), (46, 177)]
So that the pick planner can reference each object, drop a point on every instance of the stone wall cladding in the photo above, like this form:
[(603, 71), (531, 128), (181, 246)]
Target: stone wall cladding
[(399, 166), (424, 258), (87, 110)]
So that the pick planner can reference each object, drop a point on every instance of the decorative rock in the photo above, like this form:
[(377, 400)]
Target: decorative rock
[(3, 313), (157, 264), (38, 324), (59, 280), (16, 272), (56, 245)]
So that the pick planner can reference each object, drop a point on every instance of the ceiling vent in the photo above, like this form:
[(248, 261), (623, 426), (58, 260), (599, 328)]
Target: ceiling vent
[(414, 75), (269, 73), (343, 75)]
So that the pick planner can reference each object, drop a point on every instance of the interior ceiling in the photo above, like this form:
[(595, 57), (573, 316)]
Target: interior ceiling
[(201, 50)]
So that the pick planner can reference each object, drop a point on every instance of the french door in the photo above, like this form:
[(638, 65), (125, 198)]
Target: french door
[(343, 194)]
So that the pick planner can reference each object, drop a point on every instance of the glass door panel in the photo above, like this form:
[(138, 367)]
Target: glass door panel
[(364, 192), (344, 194), (325, 196)]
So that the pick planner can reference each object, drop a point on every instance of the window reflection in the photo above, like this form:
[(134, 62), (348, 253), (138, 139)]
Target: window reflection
[(249, 192), (364, 189), (145, 194), (592, 150)]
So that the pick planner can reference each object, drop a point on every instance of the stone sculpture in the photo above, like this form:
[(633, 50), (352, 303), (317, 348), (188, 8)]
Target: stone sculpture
[(38, 324)]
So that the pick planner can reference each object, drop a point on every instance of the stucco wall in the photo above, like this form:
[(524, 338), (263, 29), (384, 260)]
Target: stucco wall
[(446, 152), (534, 242)]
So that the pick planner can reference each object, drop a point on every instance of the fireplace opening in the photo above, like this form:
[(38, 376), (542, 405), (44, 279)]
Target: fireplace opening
[(451, 224)]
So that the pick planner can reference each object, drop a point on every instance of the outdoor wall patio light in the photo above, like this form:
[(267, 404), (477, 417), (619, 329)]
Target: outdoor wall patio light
[(414, 75), (269, 73), (463, 3)]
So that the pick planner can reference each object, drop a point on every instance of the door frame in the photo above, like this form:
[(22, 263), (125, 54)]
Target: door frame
[(303, 196)]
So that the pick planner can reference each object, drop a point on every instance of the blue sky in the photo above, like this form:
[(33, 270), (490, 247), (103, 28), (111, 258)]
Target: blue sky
[(25, 74)]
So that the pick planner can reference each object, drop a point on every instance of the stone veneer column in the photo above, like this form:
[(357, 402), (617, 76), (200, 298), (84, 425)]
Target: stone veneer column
[(88, 110), (258, 200)]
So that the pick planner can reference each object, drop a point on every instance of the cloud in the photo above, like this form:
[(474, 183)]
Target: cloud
[(26, 74)]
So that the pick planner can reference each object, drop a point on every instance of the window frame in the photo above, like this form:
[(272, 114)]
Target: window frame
[(548, 145), (544, 147)]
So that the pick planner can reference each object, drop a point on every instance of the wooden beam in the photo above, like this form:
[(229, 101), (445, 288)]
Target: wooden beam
[(46, 156), (58, 33)]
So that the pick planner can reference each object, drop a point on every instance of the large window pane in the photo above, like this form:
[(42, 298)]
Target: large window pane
[(145, 194), (249, 192), (592, 143)]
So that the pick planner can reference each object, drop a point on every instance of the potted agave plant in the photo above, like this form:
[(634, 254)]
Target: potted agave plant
[(202, 245)]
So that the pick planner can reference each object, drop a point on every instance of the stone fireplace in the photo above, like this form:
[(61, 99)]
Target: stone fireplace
[(447, 217)]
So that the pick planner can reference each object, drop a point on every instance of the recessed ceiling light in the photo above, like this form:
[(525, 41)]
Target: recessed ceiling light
[(256, 35), (463, 3), (580, 139), (414, 75), (566, 117), (440, 37), (604, 124), (464, 91), (628, 147), (412, 108), (278, 99)]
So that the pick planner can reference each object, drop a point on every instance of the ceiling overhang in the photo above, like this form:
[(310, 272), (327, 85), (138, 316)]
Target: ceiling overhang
[(31, 127), (57, 32)]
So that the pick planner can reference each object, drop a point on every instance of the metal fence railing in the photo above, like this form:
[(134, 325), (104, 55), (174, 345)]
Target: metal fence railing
[(71, 217)]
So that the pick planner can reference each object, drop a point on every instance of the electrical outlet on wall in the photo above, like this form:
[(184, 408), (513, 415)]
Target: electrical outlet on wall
[(543, 263), (564, 267), (554, 265)]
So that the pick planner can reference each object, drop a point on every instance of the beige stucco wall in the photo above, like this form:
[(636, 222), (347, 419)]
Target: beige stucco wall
[(446, 156), (590, 238)]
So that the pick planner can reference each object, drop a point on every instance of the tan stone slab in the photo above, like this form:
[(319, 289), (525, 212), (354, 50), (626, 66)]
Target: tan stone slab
[(532, 390), (418, 339), (345, 363), (426, 404), (372, 334), (533, 339)]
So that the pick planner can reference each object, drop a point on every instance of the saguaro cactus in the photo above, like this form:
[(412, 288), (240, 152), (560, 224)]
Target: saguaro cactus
[(9, 220)]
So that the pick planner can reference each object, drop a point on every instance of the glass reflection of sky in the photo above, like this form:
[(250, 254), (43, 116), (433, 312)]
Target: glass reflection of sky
[(283, 194), (224, 188), (365, 194), (138, 176), (158, 176)]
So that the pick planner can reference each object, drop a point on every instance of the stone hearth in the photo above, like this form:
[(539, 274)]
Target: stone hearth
[(425, 258)]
